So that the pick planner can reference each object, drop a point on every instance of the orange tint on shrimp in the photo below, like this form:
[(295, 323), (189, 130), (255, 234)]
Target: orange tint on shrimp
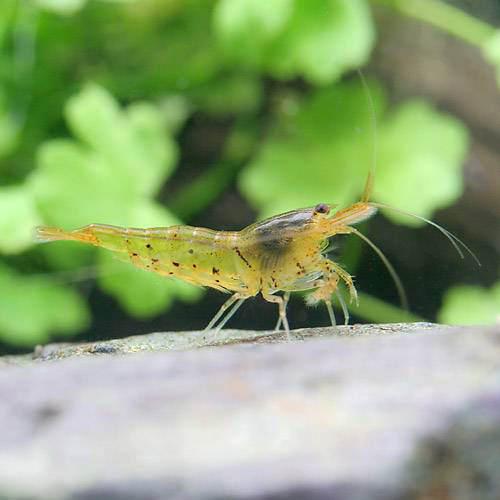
[(283, 253)]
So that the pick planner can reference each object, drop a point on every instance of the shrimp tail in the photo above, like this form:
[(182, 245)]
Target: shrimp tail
[(44, 234)]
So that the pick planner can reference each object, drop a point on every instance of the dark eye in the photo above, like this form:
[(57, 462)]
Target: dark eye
[(322, 208)]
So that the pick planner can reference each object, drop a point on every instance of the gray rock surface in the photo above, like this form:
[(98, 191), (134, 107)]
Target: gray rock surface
[(361, 412)]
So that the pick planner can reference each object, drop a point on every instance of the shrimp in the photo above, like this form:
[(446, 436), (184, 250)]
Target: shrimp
[(285, 253)]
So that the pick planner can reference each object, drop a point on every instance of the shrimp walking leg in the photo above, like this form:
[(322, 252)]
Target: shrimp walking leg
[(343, 306), (329, 308), (286, 298), (230, 314), (347, 279), (235, 298), (332, 274), (282, 310)]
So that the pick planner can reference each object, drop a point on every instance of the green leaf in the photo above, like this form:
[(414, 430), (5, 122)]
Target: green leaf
[(18, 218), (324, 39), (169, 48), (125, 156), (471, 305), (74, 187), (72, 257), (109, 177), (9, 130), (149, 213), (323, 152), (65, 7), (152, 145), (8, 10), (320, 153), (133, 144), (246, 27), (143, 293), (175, 110), (491, 51), (34, 308), (421, 155), (317, 39)]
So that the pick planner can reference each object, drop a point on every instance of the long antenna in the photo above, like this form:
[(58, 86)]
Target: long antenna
[(369, 189), (394, 275), (455, 240), (373, 121)]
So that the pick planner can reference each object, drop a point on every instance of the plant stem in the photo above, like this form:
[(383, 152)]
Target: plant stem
[(446, 17)]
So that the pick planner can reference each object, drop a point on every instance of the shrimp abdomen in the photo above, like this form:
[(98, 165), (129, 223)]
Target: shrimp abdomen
[(196, 255)]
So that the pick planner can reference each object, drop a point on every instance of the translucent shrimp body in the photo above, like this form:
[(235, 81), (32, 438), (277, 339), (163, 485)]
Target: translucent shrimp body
[(283, 253), (196, 255)]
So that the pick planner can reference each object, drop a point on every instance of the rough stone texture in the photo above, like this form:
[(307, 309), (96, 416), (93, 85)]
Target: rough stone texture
[(362, 412), (181, 341)]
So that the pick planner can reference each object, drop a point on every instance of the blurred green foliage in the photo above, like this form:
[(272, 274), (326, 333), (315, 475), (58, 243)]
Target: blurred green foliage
[(287, 38), (491, 50), (33, 308), (327, 145), (471, 305), (93, 94)]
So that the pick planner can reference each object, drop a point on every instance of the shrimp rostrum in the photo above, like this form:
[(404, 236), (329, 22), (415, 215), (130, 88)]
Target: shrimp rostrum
[(285, 253)]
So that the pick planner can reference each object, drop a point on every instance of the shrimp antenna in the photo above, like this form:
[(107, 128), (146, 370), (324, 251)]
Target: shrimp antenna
[(455, 241), (373, 121), (367, 192), (394, 275)]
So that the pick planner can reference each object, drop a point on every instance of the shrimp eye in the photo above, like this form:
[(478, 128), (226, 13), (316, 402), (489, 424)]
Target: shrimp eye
[(322, 208)]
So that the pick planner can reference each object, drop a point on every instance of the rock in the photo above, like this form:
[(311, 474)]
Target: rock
[(361, 412), (181, 341), (464, 461)]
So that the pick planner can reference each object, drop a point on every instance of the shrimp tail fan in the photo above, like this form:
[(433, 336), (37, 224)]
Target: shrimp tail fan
[(44, 234)]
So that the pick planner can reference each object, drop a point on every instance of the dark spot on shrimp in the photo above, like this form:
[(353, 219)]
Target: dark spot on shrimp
[(134, 254), (240, 255), (194, 266), (217, 281), (176, 264), (215, 270), (154, 261), (148, 246), (191, 251), (170, 272)]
